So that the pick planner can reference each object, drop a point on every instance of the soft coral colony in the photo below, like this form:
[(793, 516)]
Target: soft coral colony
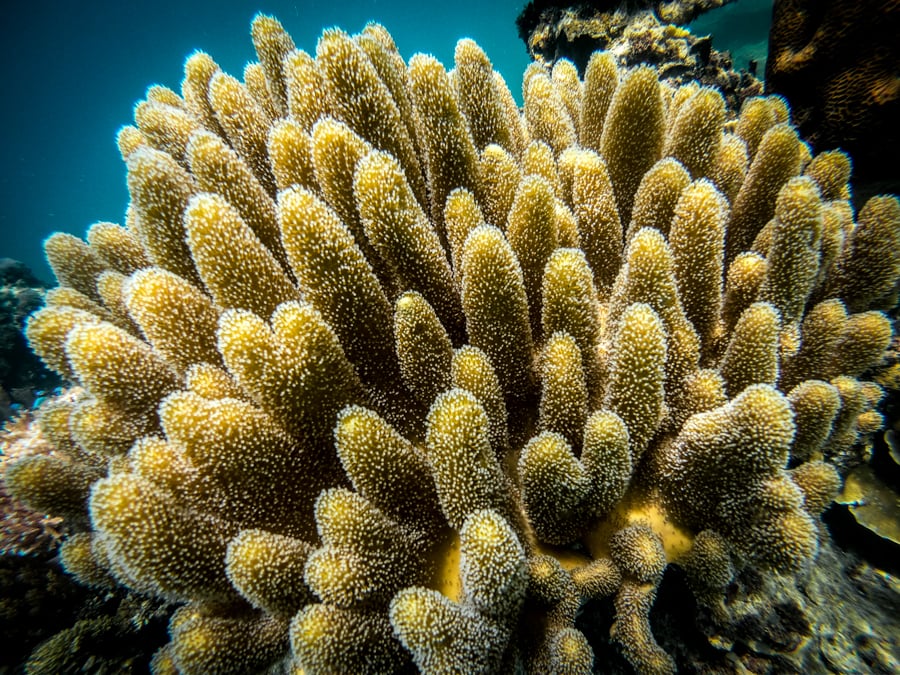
[(383, 374)]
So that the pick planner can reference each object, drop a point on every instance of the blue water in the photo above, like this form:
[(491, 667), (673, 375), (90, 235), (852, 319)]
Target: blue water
[(741, 28), (73, 70)]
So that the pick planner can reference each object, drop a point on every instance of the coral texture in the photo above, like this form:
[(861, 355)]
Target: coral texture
[(23, 377), (377, 368), (634, 32), (838, 63)]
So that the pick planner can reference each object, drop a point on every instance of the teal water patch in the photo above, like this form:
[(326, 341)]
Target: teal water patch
[(741, 28)]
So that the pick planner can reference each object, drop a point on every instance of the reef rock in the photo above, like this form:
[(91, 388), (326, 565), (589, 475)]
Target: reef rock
[(636, 33), (838, 64), (22, 374)]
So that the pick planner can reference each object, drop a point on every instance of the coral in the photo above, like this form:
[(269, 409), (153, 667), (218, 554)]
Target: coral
[(708, 564), (837, 616), (383, 374), (59, 601), (756, 454), (820, 483), (23, 377), (696, 132), (326, 638), (554, 485), (696, 236), (638, 552), (862, 277), (836, 63), (205, 643), (49, 480), (872, 503), (564, 397), (265, 568), (564, 35), (448, 637), (25, 530), (635, 390), (752, 353), (496, 308)]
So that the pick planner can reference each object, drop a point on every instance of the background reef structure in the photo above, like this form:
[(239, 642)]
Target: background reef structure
[(636, 33), (385, 374), (838, 63)]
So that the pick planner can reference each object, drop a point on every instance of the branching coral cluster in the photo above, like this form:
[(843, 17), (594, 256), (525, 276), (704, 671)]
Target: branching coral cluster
[(383, 373)]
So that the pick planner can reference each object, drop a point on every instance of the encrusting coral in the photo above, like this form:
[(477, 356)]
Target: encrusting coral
[(378, 367)]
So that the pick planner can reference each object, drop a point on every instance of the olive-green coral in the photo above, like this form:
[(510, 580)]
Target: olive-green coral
[(820, 483), (294, 367), (546, 114), (451, 159), (637, 374), (211, 222), (160, 545), (204, 642), (345, 291), (480, 99), (445, 637), (325, 638), (564, 399), (697, 238), (569, 305), (365, 556), (599, 222), (657, 195), (638, 553), (633, 133), (384, 467), (267, 569), (752, 353), (793, 258), (449, 637), (696, 132), (381, 373), (777, 160), (397, 228), (784, 535), (472, 370), (457, 444), (708, 564), (496, 308), (176, 317), (52, 484), (570, 653), (869, 265), (554, 486), (532, 234), (632, 631), (423, 347)]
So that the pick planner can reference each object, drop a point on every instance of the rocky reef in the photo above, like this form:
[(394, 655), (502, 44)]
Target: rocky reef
[(22, 374), (384, 374), (636, 33), (838, 63)]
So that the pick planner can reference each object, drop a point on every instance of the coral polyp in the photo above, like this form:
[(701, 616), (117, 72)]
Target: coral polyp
[(383, 373)]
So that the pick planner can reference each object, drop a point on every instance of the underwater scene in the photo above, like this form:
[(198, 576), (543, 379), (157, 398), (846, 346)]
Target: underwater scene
[(465, 338)]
